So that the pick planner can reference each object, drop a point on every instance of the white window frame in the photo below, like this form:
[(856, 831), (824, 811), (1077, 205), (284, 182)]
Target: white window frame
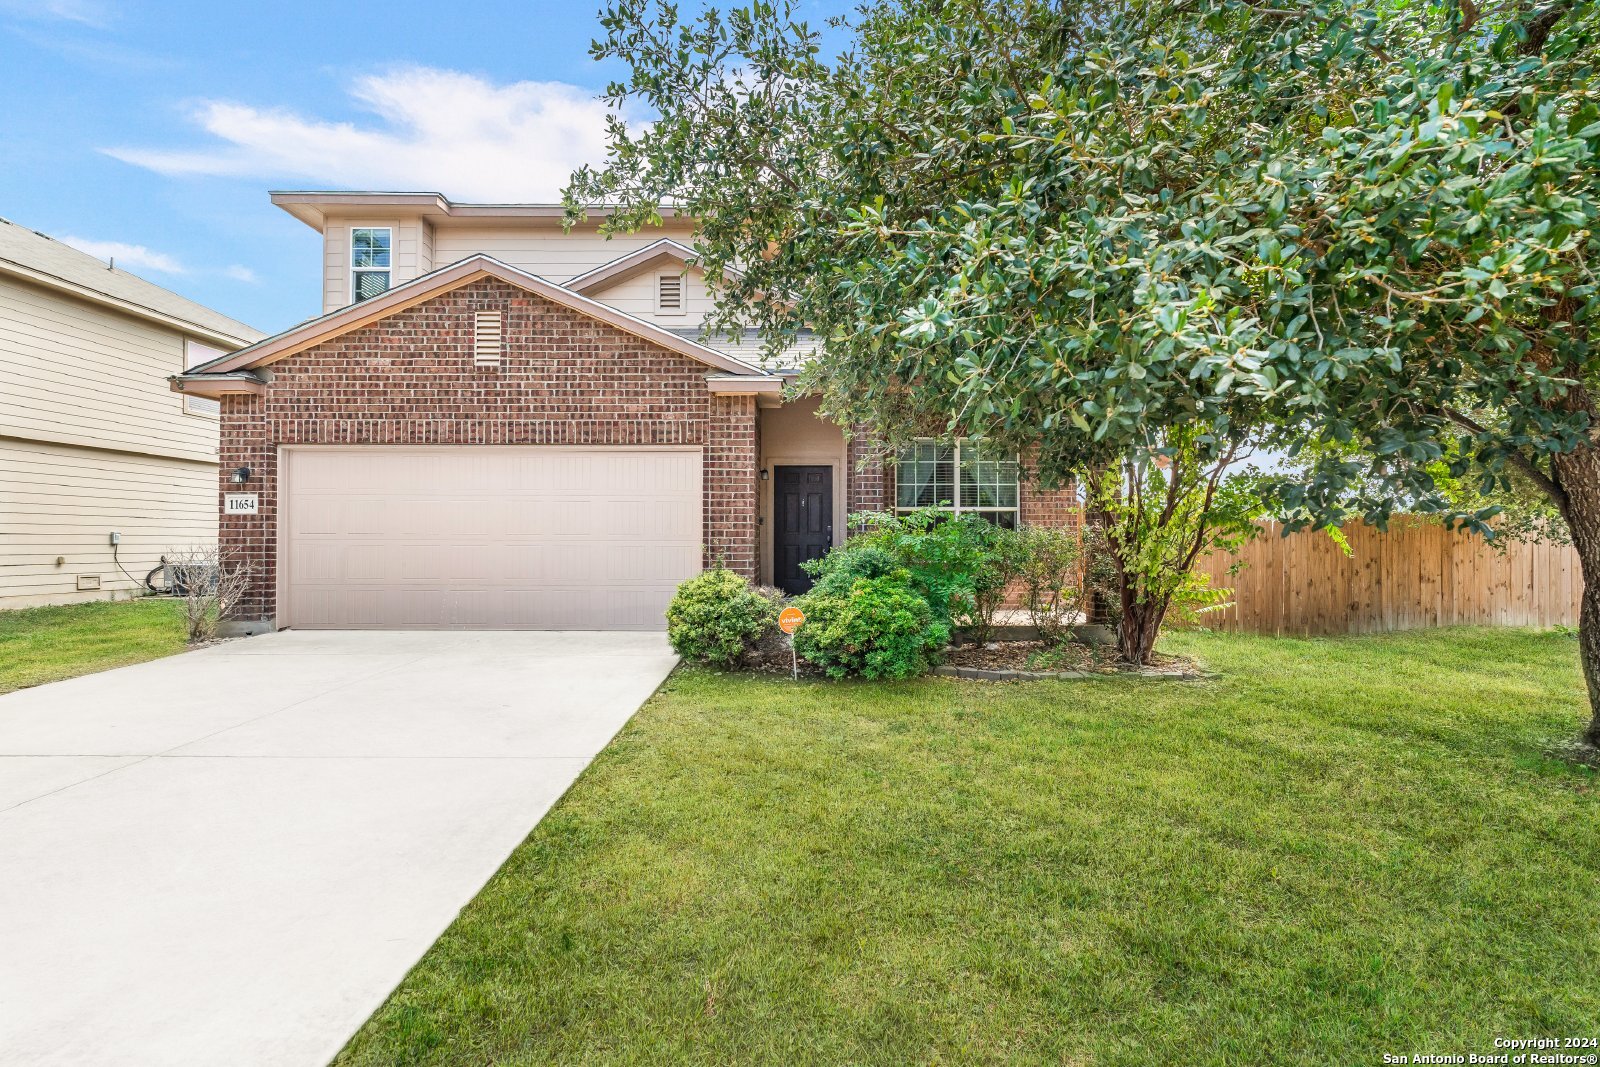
[(355, 294), (194, 354), (956, 507)]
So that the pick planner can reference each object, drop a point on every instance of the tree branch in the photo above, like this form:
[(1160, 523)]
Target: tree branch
[(1547, 484)]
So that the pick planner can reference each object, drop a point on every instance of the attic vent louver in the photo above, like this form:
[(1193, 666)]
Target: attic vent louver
[(486, 341), (669, 294)]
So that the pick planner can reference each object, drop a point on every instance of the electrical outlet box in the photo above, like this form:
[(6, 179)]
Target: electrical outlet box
[(116, 538)]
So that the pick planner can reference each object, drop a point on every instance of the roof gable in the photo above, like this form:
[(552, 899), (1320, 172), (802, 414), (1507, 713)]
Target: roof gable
[(408, 294), (40, 259), (665, 250)]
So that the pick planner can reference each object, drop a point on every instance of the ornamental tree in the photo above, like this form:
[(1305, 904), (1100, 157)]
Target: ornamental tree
[(1088, 229)]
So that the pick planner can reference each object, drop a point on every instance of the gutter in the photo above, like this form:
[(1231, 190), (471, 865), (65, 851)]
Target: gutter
[(216, 386)]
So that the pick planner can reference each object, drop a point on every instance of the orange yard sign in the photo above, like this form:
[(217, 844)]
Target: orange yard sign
[(789, 620)]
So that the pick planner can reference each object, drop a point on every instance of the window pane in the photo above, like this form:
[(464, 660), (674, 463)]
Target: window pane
[(1006, 520), (369, 248), (988, 478), (925, 475), (371, 283)]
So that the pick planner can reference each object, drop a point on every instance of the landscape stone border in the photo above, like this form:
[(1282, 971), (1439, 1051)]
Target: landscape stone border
[(976, 674)]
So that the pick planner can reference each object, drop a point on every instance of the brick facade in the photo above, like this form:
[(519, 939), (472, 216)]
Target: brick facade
[(565, 379), (869, 477)]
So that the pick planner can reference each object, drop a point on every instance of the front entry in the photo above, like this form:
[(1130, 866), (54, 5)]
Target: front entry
[(802, 523)]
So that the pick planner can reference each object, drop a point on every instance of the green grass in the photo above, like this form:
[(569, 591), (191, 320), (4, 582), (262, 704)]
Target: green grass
[(39, 645), (1341, 848)]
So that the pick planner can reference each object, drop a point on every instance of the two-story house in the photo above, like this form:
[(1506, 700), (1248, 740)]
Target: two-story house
[(499, 423), (102, 469)]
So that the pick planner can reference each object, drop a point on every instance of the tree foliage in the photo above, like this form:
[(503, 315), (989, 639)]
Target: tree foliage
[(1085, 228)]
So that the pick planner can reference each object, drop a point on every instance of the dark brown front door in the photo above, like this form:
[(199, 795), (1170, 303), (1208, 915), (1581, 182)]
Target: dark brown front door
[(802, 522)]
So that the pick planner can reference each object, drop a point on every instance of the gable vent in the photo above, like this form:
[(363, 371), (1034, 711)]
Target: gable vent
[(669, 293), (486, 340)]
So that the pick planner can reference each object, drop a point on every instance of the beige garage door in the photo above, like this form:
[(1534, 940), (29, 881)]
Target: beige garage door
[(529, 538)]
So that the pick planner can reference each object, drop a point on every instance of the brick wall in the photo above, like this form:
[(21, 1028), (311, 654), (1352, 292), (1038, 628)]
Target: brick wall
[(869, 477), (565, 379)]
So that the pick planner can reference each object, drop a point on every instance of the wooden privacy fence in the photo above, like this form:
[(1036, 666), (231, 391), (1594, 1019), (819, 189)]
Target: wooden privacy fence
[(1417, 574)]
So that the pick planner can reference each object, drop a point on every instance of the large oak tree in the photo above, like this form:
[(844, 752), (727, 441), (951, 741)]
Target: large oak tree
[(1092, 228)]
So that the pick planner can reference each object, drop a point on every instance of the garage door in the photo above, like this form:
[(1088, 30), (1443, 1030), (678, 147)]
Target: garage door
[(530, 538)]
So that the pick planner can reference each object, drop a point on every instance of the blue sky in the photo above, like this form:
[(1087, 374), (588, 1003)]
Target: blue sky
[(152, 131)]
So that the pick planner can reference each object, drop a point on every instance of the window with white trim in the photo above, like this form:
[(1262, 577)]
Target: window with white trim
[(194, 354), (371, 261), (963, 476)]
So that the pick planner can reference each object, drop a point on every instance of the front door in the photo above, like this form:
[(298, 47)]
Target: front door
[(802, 523)]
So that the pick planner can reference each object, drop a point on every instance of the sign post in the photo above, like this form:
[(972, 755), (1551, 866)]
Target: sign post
[(789, 620)]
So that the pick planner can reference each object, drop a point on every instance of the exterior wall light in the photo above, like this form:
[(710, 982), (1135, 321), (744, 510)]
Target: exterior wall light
[(241, 475)]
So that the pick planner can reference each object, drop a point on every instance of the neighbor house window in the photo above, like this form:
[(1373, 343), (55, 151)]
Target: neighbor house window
[(965, 476), (371, 260), (194, 354)]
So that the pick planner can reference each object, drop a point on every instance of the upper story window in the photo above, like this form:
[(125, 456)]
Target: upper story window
[(963, 476), (371, 261)]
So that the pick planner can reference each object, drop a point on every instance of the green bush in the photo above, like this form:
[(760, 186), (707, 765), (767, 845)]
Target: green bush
[(953, 561), (1049, 564), (716, 617), (879, 627)]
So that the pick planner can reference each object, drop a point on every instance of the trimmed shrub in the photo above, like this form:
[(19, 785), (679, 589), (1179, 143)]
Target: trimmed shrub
[(953, 561), (1003, 562), (1049, 562), (717, 616), (880, 627)]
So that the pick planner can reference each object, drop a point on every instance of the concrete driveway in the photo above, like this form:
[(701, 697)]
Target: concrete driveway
[(232, 856)]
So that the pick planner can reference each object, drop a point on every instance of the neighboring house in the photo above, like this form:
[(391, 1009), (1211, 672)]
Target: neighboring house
[(518, 426), (93, 445)]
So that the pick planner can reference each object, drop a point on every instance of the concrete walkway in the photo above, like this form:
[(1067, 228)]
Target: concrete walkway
[(232, 856)]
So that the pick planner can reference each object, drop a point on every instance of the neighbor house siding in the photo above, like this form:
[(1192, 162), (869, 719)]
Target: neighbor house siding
[(92, 441), (76, 373), (63, 502), (565, 379)]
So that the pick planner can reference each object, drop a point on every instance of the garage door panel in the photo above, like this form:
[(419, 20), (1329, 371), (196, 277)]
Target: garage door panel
[(488, 537)]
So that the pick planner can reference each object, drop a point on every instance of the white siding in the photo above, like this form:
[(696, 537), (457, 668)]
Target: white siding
[(538, 246), (425, 247), (544, 249), (63, 501), (74, 373), (410, 253), (636, 294)]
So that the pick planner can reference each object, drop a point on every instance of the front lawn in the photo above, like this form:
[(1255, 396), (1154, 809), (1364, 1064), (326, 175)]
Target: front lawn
[(39, 645), (1342, 848)]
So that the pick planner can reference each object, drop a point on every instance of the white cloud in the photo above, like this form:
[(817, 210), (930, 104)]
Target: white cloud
[(128, 257), (240, 273), (435, 130), (88, 12)]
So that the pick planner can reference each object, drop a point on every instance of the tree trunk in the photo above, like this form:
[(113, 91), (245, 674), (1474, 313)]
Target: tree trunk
[(1578, 473), (1141, 623)]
